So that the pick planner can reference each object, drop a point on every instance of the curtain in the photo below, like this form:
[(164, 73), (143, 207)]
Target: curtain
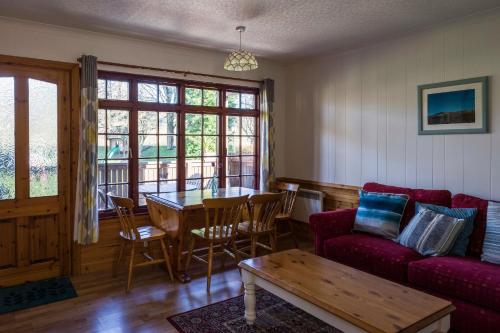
[(86, 229), (267, 134)]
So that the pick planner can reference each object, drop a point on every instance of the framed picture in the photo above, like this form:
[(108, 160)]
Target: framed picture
[(453, 107)]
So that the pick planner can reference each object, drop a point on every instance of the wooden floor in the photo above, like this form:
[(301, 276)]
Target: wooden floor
[(103, 306)]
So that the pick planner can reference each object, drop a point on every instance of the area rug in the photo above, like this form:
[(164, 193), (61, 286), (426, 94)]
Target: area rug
[(273, 315), (31, 294)]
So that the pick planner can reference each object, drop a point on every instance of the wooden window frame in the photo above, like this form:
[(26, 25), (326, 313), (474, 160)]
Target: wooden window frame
[(181, 109)]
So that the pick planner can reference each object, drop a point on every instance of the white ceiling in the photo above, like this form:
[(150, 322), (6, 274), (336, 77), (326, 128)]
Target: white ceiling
[(281, 29)]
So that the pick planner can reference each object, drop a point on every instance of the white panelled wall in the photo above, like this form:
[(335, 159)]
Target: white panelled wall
[(352, 118)]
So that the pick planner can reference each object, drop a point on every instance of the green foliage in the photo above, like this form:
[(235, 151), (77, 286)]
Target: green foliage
[(44, 186), (233, 100), (7, 186), (192, 96), (196, 125)]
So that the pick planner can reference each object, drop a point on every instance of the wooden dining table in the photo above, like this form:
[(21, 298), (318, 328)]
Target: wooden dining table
[(177, 213)]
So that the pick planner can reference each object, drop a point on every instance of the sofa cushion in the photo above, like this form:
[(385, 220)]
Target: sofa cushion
[(476, 239), (467, 214), (430, 233), (371, 254), (491, 244), (469, 317), (380, 213), (410, 206), (467, 279), (434, 197)]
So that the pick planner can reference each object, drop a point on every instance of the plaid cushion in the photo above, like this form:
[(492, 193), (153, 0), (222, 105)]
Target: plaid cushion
[(430, 233), (380, 213), (491, 245)]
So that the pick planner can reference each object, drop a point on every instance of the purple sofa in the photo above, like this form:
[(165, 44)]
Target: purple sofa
[(472, 285)]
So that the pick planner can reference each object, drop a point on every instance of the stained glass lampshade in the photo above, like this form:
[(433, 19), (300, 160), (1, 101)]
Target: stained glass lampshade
[(239, 61)]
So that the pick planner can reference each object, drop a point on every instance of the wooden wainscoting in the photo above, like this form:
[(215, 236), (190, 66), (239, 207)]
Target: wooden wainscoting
[(336, 196), (99, 257)]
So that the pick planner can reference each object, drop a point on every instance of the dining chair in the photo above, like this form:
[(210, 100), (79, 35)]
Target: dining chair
[(263, 209), (222, 216), (290, 190), (130, 234)]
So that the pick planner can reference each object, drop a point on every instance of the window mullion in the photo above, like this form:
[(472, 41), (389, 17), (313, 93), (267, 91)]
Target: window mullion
[(134, 144)]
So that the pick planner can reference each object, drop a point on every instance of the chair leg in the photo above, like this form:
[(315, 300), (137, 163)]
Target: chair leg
[(273, 242), (120, 255), (190, 254), (210, 261), (223, 256), (131, 267), (292, 231), (235, 251), (253, 249), (167, 259)]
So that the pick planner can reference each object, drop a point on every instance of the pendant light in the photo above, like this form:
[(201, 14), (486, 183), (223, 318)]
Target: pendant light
[(240, 60)]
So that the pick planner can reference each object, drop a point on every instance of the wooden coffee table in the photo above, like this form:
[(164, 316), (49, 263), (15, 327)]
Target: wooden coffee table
[(343, 297)]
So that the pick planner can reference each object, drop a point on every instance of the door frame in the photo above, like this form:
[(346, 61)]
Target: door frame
[(69, 128)]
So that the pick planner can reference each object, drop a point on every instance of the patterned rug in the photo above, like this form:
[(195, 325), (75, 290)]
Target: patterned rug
[(31, 294), (273, 315)]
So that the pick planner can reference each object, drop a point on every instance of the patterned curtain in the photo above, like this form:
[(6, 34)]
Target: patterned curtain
[(267, 134), (86, 210)]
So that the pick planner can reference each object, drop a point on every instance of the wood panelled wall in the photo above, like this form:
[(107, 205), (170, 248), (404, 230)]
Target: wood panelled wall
[(352, 117), (99, 257), (336, 196)]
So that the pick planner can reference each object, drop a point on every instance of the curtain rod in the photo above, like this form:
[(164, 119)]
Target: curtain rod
[(108, 63)]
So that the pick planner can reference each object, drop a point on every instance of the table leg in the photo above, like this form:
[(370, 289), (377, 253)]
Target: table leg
[(444, 324), (180, 272), (249, 283)]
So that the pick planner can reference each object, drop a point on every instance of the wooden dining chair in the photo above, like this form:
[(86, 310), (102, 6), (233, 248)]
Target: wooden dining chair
[(222, 216), (130, 234), (290, 190), (263, 209)]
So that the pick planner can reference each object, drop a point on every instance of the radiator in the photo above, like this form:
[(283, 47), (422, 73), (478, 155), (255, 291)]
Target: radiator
[(307, 202)]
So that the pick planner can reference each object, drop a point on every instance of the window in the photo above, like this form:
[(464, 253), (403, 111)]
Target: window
[(158, 135), (204, 97), (201, 149), (241, 140), (157, 140), (113, 89), (7, 139), (238, 100), (113, 154)]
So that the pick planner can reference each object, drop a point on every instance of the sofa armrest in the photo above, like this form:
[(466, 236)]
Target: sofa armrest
[(327, 225)]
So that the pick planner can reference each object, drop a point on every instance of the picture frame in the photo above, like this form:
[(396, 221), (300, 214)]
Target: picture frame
[(454, 107)]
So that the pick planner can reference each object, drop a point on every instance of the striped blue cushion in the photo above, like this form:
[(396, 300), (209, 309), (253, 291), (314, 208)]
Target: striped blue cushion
[(467, 214), (491, 244), (380, 213), (430, 233)]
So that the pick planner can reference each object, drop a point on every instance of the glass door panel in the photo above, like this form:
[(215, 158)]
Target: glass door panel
[(7, 140), (42, 138)]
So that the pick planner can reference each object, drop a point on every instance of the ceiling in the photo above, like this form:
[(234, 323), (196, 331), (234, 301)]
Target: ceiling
[(280, 29)]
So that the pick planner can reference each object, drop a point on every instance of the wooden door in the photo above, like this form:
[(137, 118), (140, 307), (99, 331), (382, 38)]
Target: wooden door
[(34, 172)]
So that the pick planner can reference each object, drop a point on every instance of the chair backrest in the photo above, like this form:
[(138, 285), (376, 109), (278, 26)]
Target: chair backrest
[(124, 207), (290, 191), (263, 209), (222, 216)]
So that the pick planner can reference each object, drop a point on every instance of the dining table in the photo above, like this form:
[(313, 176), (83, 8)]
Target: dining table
[(177, 213)]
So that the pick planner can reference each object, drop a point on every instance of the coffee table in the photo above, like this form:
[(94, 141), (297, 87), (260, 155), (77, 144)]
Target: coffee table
[(343, 297)]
